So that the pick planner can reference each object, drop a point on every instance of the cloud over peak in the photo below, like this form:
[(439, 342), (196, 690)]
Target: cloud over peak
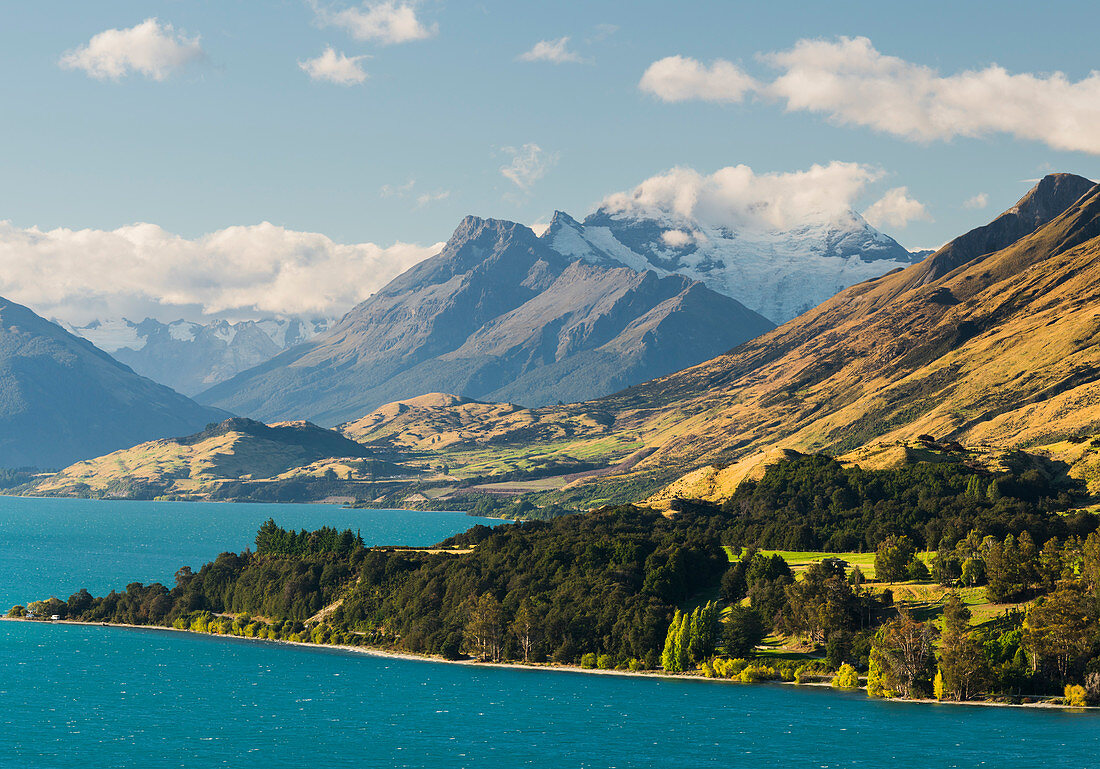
[(150, 48), (736, 197)]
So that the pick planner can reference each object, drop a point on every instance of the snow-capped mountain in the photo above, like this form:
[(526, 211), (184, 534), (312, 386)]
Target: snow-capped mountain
[(778, 273), (496, 316), (190, 357)]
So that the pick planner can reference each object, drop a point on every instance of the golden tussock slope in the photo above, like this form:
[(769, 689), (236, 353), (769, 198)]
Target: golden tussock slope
[(1001, 349)]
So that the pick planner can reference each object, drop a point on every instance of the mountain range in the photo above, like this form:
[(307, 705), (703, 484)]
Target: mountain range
[(190, 357), (62, 399), (577, 313), (989, 345), (496, 315), (778, 272)]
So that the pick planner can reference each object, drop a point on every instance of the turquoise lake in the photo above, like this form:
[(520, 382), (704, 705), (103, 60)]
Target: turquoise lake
[(74, 696)]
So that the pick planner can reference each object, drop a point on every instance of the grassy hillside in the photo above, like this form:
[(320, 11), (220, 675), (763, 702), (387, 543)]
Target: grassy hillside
[(238, 458)]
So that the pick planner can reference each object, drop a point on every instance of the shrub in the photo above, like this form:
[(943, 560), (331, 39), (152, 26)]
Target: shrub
[(1075, 696), (917, 570), (846, 677), (724, 667), (753, 673), (605, 662), (588, 661)]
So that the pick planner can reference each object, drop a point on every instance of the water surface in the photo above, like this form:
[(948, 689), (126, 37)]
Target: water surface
[(76, 696)]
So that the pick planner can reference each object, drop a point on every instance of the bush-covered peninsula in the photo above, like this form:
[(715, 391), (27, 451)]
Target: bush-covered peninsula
[(946, 582)]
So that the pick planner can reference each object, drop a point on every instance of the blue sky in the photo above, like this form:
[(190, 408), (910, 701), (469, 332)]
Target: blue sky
[(240, 133)]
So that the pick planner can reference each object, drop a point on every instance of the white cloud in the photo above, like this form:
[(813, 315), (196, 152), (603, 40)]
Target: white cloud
[(736, 197), (981, 200), (149, 48), (529, 164), (335, 68), (851, 82), (896, 209), (676, 238), (554, 51), (677, 78), (386, 21), (242, 272), (432, 197)]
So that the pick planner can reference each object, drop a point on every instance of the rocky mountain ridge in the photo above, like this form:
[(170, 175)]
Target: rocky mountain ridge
[(779, 273), (498, 315)]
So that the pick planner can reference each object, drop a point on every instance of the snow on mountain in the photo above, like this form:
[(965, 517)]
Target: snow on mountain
[(779, 273), (189, 356)]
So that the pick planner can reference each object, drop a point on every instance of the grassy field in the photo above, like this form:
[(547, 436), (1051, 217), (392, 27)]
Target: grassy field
[(924, 599), (488, 460), (799, 560)]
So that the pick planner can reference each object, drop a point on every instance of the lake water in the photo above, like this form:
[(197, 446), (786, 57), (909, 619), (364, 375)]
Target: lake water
[(73, 696)]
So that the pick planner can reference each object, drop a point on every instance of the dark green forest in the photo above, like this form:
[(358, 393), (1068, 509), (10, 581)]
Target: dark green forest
[(816, 503)]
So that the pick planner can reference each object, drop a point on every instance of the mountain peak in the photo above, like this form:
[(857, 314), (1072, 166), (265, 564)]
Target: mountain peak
[(1053, 194), (62, 399), (561, 219), (475, 227), (1045, 202)]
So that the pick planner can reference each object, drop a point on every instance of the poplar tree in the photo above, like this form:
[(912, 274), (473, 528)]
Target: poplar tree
[(683, 644), (670, 659)]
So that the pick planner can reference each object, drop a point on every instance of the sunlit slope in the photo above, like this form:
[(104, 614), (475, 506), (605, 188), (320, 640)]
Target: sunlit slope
[(234, 450), (1001, 349), (995, 347)]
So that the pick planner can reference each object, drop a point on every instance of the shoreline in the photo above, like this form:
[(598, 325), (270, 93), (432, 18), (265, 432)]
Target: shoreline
[(544, 667), (342, 505)]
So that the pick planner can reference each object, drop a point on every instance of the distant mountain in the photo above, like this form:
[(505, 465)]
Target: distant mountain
[(779, 273), (190, 357), (498, 315), (62, 399)]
